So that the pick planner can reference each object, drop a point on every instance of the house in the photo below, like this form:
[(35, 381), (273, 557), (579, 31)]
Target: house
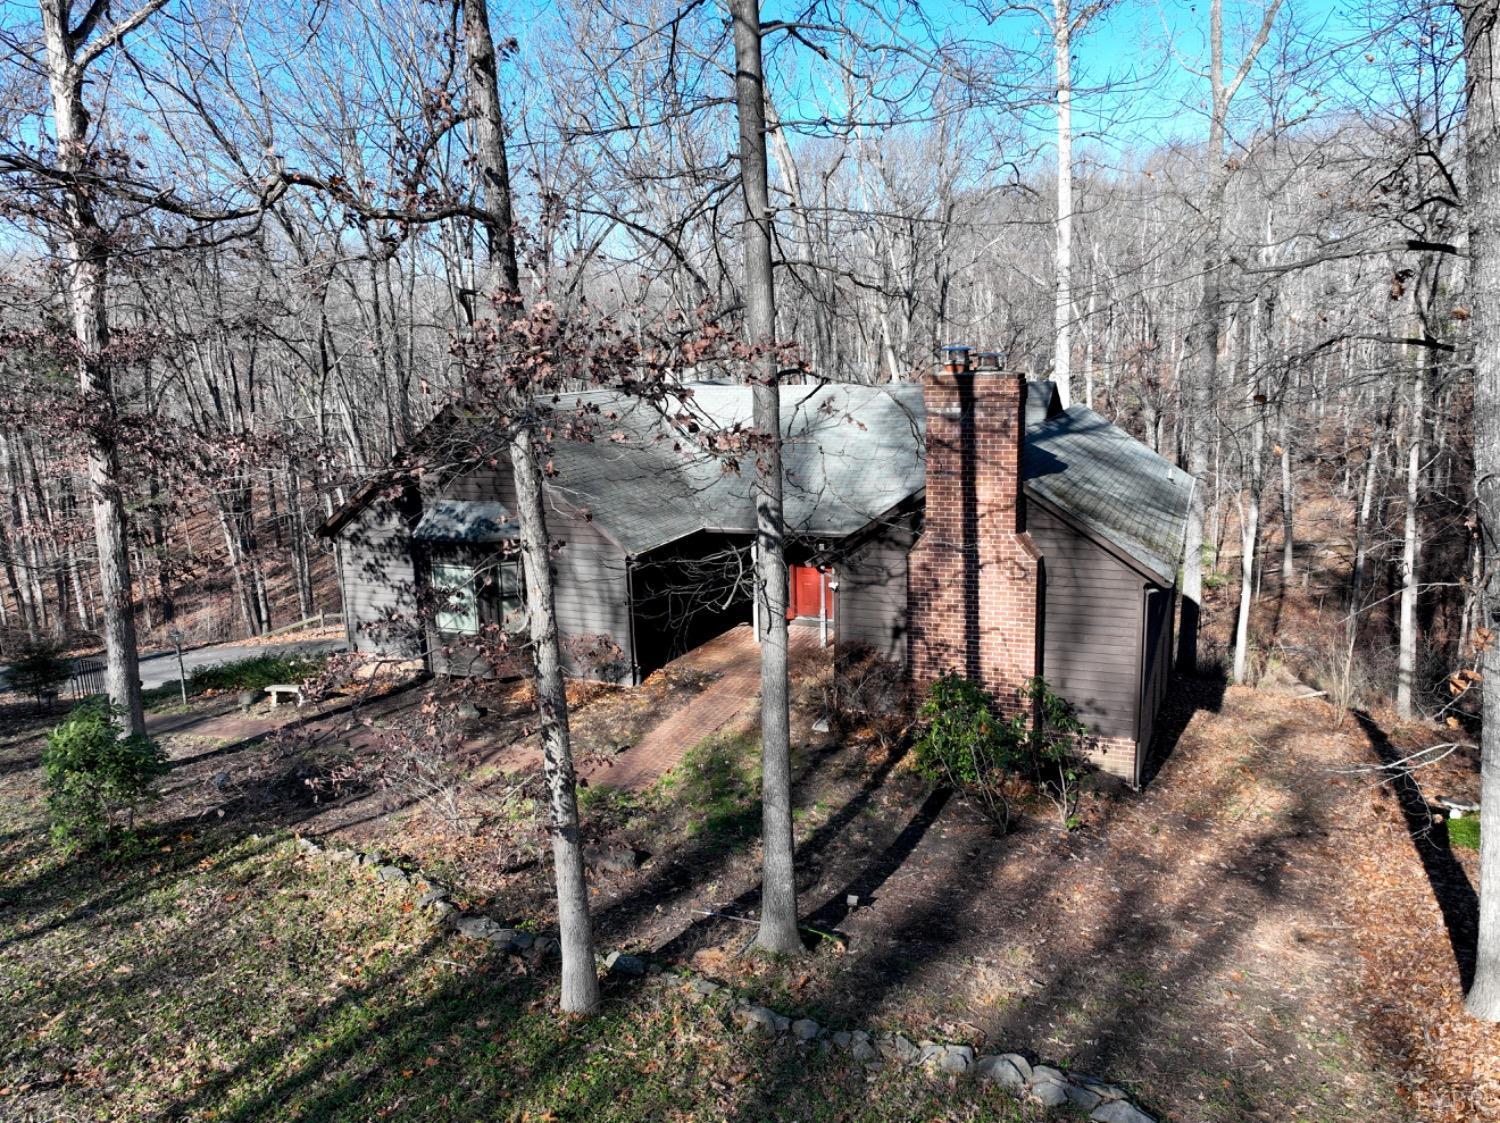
[(967, 523)]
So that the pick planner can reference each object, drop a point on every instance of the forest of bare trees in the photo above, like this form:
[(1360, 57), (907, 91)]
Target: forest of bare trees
[(243, 241)]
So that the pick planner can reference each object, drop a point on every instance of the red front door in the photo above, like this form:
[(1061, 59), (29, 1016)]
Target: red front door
[(809, 593)]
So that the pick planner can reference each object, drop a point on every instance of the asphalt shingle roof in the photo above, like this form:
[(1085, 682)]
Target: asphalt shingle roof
[(851, 454), (1111, 484)]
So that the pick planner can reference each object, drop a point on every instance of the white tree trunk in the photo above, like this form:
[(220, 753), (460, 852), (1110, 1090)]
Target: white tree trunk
[(1406, 643), (87, 247), (1062, 311)]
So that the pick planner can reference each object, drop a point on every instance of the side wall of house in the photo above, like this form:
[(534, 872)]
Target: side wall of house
[(590, 579), (1091, 635), (379, 582), (870, 609)]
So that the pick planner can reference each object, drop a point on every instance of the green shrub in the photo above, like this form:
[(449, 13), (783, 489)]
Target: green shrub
[(1464, 832), (97, 777), (255, 673), (964, 743), (40, 669)]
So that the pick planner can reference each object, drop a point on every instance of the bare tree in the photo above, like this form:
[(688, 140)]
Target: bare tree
[(580, 979), (778, 918), (73, 45), (1208, 323), (1483, 209)]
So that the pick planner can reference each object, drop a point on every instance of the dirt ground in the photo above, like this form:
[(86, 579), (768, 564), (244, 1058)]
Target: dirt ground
[(1255, 935)]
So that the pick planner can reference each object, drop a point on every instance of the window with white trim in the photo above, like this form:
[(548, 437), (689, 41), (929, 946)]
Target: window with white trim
[(512, 597), (453, 583)]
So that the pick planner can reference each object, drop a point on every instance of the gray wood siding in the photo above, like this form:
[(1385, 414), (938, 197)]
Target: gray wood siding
[(378, 581), (1091, 635), (591, 586), (870, 610)]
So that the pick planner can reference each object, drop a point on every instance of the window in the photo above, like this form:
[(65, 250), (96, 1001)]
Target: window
[(458, 607), (512, 597)]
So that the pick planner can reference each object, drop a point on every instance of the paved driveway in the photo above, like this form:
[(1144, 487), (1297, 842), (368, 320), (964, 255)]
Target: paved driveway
[(160, 667)]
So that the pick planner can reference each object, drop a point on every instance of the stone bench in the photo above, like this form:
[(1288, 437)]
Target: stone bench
[(280, 690)]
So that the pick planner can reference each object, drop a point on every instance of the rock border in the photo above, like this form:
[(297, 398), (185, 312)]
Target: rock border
[(1045, 1084)]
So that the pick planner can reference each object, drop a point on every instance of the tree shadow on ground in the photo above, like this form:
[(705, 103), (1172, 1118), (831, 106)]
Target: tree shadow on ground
[(1455, 895), (1187, 696), (1123, 975), (697, 932)]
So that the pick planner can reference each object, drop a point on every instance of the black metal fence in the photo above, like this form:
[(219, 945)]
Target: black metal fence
[(87, 680)]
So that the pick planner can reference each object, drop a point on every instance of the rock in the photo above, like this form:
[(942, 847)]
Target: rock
[(392, 874), (545, 946), (477, 927), (1002, 1071), (444, 909), (757, 1020), (1050, 1094), (861, 1048), (467, 711), (628, 966), (704, 988), (956, 1059), (431, 897), (1022, 1065), (899, 1049), (372, 858), (611, 859), (306, 845), (520, 939), (1046, 1074), (805, 1029), (1118, 1111), (1080, 1097), (841, 1039), (222, 781), (1100, 1088)]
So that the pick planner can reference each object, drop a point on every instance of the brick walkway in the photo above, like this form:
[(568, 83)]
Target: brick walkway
[(729, 700)]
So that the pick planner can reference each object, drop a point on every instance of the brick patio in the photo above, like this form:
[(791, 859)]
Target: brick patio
[(729, 701)]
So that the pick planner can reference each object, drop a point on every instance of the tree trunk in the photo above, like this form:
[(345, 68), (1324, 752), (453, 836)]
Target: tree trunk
[(1483, 210), (1288, 535), (1203, 370), (1062, 310), (1406, 643), (778, 918), (87, 247), (580, 978), (1250, 520)]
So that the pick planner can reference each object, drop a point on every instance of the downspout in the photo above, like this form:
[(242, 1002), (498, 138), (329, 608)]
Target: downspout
[(755, 598), (823, 607)]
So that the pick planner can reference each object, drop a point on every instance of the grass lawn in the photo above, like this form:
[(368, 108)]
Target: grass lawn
[(237, 979)]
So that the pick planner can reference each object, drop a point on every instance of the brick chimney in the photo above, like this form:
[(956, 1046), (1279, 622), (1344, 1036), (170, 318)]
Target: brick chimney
[(973, 591)]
